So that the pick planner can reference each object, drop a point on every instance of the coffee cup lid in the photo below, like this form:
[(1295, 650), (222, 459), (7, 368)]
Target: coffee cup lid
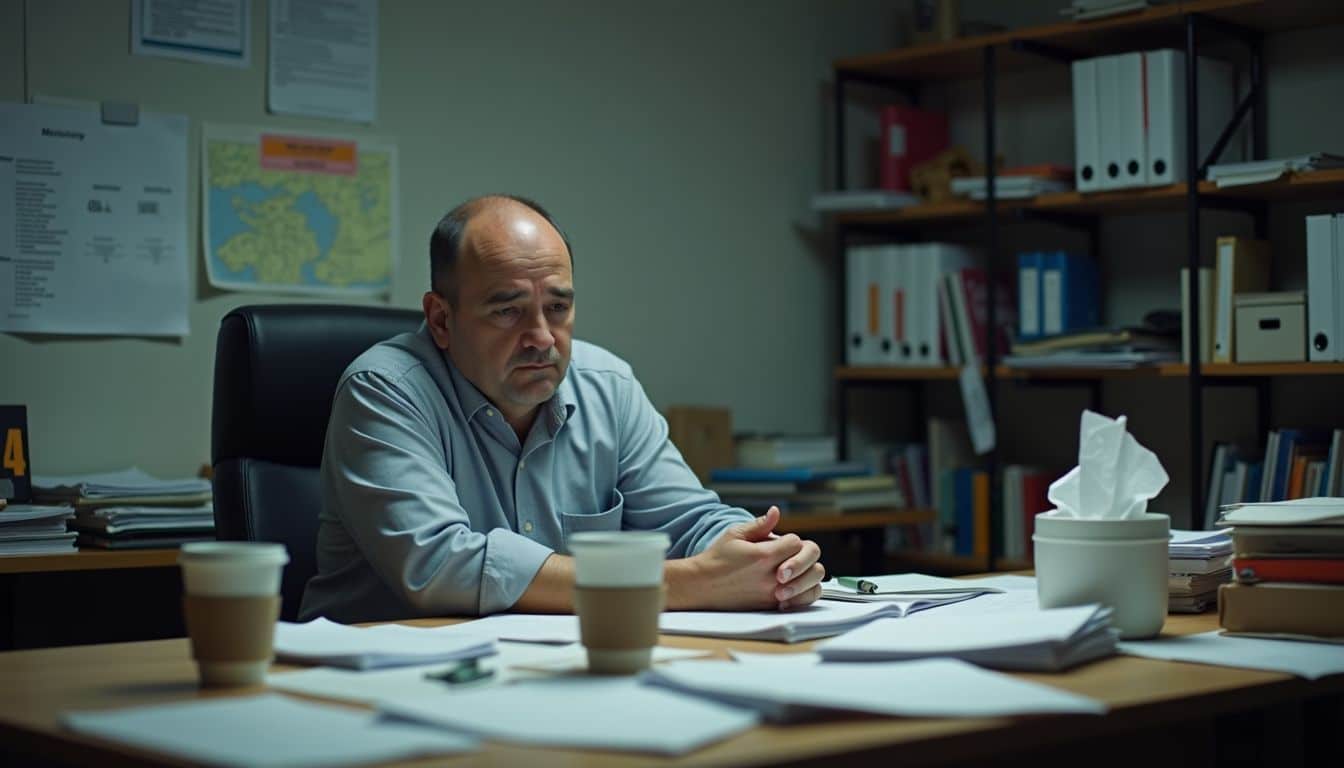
[(221, 551)]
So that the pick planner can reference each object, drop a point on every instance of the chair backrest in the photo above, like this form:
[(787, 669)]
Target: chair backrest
[(276, 370)]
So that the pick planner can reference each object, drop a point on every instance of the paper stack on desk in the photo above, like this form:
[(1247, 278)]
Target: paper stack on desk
[(1198, 562), (321, 641), (929, 591), (821, 619), (1026, 639), (929, 688), (131, 509), (28, 529)]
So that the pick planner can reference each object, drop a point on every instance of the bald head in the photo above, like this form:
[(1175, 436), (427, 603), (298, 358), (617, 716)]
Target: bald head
[(481, 228)]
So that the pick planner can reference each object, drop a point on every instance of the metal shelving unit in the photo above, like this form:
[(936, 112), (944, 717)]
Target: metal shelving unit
[(1192, 26)]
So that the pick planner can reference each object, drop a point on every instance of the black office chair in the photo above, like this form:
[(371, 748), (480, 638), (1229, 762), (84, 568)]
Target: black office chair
[(276, 369)]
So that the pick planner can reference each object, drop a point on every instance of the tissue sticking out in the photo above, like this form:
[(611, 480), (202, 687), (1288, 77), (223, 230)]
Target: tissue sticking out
[(1115, 476)]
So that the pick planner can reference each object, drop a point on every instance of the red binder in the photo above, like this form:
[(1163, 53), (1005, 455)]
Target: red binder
[(910, 136), (1309, 570)]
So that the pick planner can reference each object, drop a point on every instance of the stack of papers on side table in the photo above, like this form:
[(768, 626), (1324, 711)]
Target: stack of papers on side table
[(1199, 562), (28, 529), (1026, 639), (131, 509)]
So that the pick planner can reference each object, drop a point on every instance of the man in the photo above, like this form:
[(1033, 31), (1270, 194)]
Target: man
[(460, 457)]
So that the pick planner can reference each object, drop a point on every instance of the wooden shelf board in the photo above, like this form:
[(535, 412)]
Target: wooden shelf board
[(1005, 372), (88, 560), (1156, 27), (1257, 369), (895, 373), (853, 520)]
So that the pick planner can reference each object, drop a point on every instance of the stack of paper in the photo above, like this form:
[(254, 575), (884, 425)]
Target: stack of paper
[(584, 712), (862, 200), (1031, 639), (123, 484), (1007, 187), (139, 527), (1199, 562), (1260, 171), (325, 642), (902, 586), (821, 619), (265, 730), (931, 688), (28, 529), (132, 509)]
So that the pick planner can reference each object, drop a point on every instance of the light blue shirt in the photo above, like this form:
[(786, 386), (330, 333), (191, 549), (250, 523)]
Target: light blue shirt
[(432, 506)]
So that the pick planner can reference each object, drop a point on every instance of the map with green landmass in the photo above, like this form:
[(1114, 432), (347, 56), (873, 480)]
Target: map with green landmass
[(297, 231)]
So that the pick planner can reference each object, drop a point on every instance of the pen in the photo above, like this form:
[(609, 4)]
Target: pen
[(863, 586)]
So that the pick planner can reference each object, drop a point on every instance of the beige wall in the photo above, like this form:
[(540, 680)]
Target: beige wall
[(677, 143)]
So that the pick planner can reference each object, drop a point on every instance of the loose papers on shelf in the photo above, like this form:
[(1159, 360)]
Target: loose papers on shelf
[(1309, 660), (29, 529), (321, 641), (266, 731), (121, 484), (929, 688), (583, 712), (1029, 639), (91, 215)]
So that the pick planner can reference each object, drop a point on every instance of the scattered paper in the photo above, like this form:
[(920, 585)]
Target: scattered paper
[(821, 619), (525, 627), (322, 641), (1309, 660), (930, 688), (265, 731), (581, 711), (1029, 639)]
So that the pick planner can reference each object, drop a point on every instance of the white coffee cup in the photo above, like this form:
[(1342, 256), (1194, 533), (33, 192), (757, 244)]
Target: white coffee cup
[(1117, 562), (231, 602), (618, 596)]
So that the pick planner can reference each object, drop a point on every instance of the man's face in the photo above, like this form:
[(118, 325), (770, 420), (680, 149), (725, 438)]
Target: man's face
[(510, 329)]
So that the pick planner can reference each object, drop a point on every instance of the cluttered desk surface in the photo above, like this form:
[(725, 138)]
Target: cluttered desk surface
[(42, 685)]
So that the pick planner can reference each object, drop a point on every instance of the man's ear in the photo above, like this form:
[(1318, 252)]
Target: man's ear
[(438, 316)]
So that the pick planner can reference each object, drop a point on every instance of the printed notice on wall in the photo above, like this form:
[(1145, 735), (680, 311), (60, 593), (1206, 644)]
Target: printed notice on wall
[(298, 213), (94, 222), (324, 59), (210, 31)]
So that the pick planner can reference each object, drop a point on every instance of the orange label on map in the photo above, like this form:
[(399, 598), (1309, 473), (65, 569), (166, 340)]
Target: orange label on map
[(303, 153)]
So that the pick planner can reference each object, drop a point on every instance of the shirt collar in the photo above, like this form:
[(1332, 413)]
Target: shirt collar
[(557, 410)]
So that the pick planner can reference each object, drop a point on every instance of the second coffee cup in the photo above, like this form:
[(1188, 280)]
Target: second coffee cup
[(618, 596)]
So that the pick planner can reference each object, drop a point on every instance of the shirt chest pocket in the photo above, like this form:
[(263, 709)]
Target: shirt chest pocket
[(608, 520)]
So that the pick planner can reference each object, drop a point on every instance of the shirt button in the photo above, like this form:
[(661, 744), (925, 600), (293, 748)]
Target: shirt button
[(521, 464), (527, 527), (489, 412)]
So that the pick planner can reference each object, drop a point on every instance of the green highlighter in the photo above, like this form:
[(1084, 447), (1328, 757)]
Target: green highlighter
[(862, 586)]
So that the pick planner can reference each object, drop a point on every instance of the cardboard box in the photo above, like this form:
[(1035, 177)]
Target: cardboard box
[(704, 435), (1270, 327)]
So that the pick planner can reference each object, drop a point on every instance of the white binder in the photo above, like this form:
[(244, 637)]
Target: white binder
[(861, 309), (1324, 317), (1086, 131), (1166, 113), (1123, 161), (889, 265)]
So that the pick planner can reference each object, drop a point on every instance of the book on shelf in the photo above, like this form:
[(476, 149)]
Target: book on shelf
[(1241, 266), (797, 474), (1206, 314), (1085, 339)]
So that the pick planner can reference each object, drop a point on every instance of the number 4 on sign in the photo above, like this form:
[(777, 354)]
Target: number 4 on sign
[(13, 459)]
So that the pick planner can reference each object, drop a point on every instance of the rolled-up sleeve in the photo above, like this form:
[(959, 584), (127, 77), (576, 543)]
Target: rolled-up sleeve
[(661, 492), (386, 478)]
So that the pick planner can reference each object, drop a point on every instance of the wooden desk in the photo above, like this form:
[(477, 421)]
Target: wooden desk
[(89, 560), (1146, 696)]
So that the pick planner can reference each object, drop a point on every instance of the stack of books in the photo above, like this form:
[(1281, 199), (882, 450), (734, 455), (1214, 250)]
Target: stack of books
[(1199, 563), (1288, 562), (1017, 183), (131, 509), (28, 529), (820, 489)]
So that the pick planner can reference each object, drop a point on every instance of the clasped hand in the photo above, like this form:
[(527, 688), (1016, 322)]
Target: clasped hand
[(751, 568)]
